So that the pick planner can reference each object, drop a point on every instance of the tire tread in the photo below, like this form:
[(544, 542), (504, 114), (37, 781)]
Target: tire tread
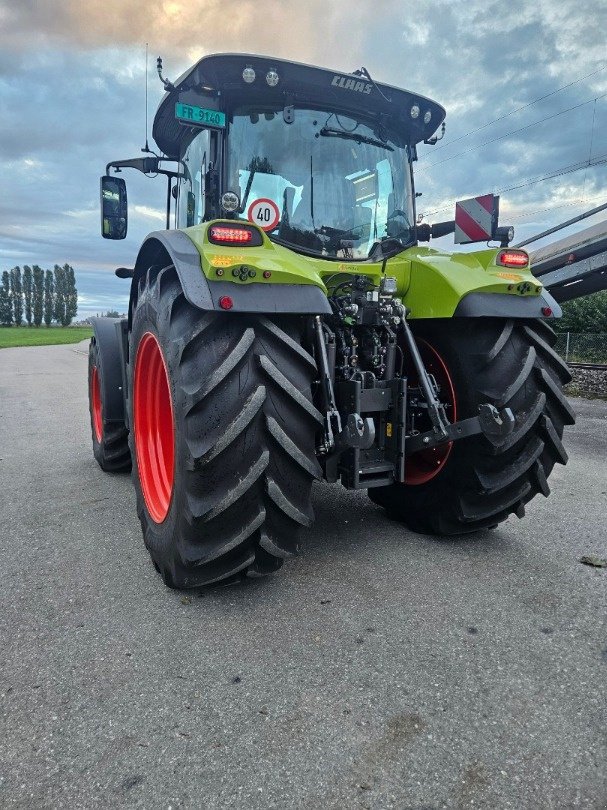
[(517, 368), (248, 426)]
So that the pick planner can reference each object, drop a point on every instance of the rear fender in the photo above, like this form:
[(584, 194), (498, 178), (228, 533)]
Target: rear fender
[(162, 248), (503, 305), (108, 337), (471, 285)]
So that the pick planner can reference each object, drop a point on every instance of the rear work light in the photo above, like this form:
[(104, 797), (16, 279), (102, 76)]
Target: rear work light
[(512, 258), (243, 235)]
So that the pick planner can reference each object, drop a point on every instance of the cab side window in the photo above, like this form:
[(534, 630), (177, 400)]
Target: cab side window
[(191, 187)]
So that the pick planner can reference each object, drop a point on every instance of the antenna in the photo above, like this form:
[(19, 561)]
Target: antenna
[(146, 148)]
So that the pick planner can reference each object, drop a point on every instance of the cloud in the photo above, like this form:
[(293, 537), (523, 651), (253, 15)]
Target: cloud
[(189, 29), (72, 98), (150, 213)]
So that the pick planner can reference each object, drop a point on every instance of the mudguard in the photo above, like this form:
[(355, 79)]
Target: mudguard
[(107, 333), (473, 285), (175, 247), (503, 305)]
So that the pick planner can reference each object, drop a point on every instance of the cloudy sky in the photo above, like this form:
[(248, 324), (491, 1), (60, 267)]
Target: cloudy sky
[(72, 99)]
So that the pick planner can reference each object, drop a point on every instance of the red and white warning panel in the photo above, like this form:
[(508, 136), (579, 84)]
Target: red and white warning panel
[(264, 213), (476, 219)]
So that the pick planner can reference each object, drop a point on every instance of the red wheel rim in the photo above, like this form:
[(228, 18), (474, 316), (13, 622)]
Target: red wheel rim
[(424, 466), (96, 404), (153, 417)]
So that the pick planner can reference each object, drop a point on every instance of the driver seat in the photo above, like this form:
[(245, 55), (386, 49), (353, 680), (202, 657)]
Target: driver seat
[(334, 201)]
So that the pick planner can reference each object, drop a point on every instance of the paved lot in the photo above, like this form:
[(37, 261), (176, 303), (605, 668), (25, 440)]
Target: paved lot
[(381, 669)]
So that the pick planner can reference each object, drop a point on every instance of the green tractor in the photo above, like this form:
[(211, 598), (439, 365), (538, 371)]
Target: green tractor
[(291, 327)]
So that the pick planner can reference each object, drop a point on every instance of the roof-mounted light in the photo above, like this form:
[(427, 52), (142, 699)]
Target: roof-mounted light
[(248, 75), (272, 77), (415, 111), (427, 117)]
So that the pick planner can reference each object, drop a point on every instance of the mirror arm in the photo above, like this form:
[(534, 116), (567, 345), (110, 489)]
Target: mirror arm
[(147, 165), (443, 228), (169, 185)]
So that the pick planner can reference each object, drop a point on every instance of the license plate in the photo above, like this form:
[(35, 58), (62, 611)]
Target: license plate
[(199, 115)]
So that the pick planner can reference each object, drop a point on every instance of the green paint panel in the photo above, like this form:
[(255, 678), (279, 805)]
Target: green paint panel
[(199, 115), (431, 283)]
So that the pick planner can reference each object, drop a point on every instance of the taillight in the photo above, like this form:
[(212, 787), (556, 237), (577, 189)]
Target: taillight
[(512, 258), (243, 235)]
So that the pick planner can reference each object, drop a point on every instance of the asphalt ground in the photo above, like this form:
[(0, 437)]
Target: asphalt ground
[(382, 669)]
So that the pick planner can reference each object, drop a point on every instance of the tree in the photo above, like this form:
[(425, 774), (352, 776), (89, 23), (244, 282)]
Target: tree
[(38, 296), (71, 300), (585, 314), (60, 295), (111, 313), (27, 293), (49, 294), (6, 306), (17, 295)]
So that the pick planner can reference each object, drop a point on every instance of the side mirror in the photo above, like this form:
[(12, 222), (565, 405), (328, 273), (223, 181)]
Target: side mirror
[(114, 216)]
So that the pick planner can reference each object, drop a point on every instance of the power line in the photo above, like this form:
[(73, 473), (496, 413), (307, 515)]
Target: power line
[(572, 167), (548, 208), (514, 132), (559, 173), (591, 143), (519, 109)]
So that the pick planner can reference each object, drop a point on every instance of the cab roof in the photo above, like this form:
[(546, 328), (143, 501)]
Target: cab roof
[(216, 81)]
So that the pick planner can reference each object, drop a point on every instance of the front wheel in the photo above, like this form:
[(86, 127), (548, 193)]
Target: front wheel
[(222, 434), (472, 484)]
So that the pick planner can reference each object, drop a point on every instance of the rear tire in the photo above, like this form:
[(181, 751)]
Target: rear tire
[(242, 434), (509, 364), (110, 439)]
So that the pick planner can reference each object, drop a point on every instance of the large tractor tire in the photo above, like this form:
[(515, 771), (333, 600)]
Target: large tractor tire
[(110, 439), (472, 484), (223, 434)]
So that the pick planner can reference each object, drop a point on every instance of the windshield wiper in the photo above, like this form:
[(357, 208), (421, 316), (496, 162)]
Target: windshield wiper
[(354, 136), (247, 191)]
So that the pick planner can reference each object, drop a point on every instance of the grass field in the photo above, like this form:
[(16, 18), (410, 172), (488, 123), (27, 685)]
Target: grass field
[(42, 335)]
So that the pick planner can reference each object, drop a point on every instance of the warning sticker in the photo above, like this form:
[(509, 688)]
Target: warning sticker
[(264, 213)]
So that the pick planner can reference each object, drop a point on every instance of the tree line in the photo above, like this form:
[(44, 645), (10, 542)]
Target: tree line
[(585, 314), (38, 295)]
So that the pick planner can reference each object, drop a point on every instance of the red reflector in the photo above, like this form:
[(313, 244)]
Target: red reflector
[(220, 233), (513, 258), (225, 302), (546, 312)]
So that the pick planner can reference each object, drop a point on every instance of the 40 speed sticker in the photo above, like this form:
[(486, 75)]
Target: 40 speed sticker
[(264, 213)]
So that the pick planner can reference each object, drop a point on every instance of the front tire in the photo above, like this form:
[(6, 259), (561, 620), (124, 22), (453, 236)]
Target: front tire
[(509, 364), (223, 435)]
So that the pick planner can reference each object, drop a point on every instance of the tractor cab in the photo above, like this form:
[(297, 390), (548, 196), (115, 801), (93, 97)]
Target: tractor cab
[(319, 160)]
